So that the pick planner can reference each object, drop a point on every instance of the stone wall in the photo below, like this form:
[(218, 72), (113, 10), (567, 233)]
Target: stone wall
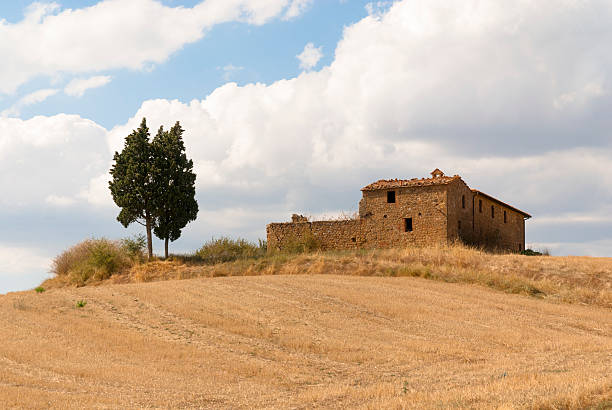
[(329, 234), (460, 212), (384, 223), (491, 231)]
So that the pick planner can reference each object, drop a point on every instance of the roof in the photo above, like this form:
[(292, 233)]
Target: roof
[(438, 178), (477, 192), (400, 183)]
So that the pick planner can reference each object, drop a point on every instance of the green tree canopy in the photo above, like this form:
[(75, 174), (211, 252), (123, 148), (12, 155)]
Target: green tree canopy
[(133, 185), (175, 181)]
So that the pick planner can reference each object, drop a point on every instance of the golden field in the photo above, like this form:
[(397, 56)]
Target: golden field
[(497, 331)]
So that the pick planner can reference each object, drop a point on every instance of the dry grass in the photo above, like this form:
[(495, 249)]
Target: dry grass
[(568, 279), (307, 341), (94, 260)]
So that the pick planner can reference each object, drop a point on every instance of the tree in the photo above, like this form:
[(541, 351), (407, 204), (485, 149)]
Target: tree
[(175, 201), (133, 184)]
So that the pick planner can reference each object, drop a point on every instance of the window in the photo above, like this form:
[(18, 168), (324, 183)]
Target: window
[(463, 201), (480, 205), (407, 224), (520, 248), (505, 217), (390, 197), (492, 211), (354, 239), (459, 225)]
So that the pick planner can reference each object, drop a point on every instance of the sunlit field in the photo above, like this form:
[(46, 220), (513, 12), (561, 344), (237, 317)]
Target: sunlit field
[(376, 329)]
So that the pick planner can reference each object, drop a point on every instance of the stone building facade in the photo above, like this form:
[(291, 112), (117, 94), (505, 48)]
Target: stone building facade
[(413, 212)]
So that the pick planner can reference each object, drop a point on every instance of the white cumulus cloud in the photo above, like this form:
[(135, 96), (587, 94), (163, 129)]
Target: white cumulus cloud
[(78, 86), (296, 8), (49, 160), (310, 56), (114, 34)]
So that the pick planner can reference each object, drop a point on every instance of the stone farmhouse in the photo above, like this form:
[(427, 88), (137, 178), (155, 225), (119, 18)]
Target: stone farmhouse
[(413, 212)]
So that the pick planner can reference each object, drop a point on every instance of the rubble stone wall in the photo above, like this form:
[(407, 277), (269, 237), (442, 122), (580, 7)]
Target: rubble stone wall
[(491, 231), (328, 234), (460, 212), (385, 223)]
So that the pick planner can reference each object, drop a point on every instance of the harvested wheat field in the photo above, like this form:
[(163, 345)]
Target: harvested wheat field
[(302, 341)]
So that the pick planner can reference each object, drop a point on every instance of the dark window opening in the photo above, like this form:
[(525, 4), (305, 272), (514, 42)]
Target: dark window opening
[(505, 217), (390, 197), (492, 211), (407, 224), (520, 248), (354, 239), (480, 205), (459, 225), (463, 201)]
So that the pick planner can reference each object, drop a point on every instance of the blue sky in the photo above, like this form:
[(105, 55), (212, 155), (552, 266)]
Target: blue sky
[(514, 97)]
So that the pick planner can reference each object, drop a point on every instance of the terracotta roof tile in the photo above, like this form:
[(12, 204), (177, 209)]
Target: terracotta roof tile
[(400, 183)]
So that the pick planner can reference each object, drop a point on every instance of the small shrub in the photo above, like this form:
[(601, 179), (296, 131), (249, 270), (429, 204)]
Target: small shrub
[(135, 246), (39, 289), (304, 243), (228, 250), (92, 259), (530, 252), (81, 303)]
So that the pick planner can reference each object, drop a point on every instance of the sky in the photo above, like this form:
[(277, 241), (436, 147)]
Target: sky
[(291, 106)]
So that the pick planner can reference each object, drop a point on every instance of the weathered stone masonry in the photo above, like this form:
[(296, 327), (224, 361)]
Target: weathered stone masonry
[(414, 212)]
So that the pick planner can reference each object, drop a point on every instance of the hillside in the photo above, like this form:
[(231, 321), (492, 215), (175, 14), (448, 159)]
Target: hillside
[(583, 280), (302, 341)]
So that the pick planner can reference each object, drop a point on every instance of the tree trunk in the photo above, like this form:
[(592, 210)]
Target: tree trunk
[(149, 237), (166, 249)]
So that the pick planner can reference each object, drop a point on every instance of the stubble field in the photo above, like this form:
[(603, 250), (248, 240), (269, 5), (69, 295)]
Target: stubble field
[(302, 341)]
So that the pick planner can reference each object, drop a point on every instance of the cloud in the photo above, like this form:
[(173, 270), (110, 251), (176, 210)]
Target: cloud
[(29, 99), (296, 8), (310, 56), (78, 86), (377, 9), (49, 160), (229, 70), (114, 34), (19, 260), (22, 267), (58, 200)]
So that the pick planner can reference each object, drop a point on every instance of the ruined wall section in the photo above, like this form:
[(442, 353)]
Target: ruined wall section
[(491, 231), (328, 234), (384, 224), (460, 212)]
